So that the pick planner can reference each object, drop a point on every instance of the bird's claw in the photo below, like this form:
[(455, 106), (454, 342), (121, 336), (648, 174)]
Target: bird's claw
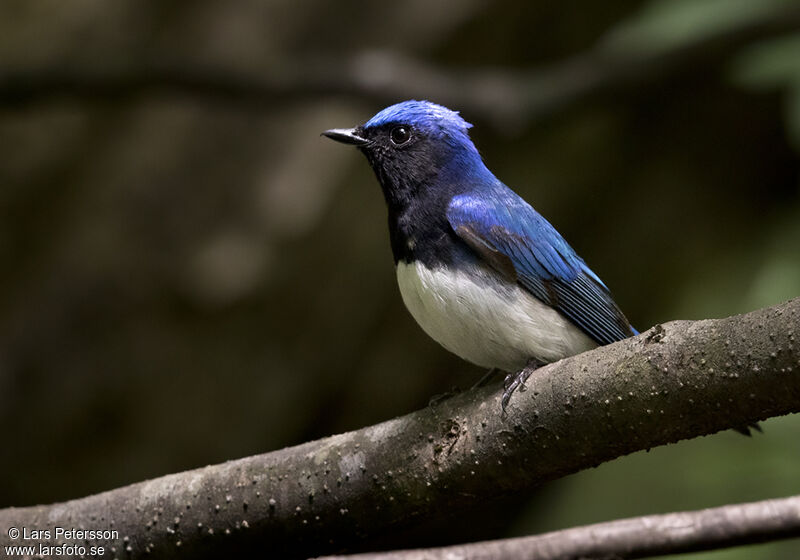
[(513, 381)]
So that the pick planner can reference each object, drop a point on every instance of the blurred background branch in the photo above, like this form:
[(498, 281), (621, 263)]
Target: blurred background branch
[(503, 97), (640, 537)]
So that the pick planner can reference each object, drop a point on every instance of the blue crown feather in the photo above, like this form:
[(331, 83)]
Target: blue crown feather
[(422, 114)]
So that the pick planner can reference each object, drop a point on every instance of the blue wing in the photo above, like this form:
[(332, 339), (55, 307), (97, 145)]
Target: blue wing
[(518, 242)]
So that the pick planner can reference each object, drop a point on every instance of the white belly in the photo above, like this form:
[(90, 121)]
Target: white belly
[(486, 322)]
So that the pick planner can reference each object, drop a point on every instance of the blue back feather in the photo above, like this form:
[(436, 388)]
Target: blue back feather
[(544, 262)]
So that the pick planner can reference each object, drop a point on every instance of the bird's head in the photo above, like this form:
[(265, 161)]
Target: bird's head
[(414, 146)]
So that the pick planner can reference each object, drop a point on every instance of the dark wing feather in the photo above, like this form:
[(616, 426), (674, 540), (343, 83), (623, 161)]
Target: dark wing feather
[(520, 244)]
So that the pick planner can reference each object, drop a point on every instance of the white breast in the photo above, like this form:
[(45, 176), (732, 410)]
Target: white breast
[(485, 321)]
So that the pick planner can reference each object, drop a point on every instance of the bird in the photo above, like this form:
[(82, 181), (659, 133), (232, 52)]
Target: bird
[(482, 273)]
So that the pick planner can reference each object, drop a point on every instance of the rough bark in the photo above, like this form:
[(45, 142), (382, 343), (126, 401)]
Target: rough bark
[(680, 380)]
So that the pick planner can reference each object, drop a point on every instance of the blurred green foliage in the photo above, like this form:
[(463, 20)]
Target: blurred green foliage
[(186, 280)]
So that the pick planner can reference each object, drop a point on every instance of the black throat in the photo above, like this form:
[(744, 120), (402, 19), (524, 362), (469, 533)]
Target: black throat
[(419, 231), (418, 183)]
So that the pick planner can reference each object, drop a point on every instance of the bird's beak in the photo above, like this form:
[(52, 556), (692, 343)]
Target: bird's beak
[(346, 136)]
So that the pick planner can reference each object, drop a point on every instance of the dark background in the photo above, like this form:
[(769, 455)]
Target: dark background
[(191, 274)]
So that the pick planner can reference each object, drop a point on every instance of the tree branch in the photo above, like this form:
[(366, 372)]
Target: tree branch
[(638, 537), (504, 98), (676, 381)]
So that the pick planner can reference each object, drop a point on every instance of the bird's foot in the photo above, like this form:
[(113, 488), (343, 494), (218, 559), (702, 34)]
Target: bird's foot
[(517, 380), (483, 381)]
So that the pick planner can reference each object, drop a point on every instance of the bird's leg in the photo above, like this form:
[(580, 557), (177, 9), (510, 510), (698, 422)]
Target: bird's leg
[(518, 379), (483, 381)]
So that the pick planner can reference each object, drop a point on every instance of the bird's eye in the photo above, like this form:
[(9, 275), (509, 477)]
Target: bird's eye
[(400, 135)]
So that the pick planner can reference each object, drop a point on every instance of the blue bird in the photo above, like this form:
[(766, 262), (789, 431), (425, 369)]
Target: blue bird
[(480, 270)]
